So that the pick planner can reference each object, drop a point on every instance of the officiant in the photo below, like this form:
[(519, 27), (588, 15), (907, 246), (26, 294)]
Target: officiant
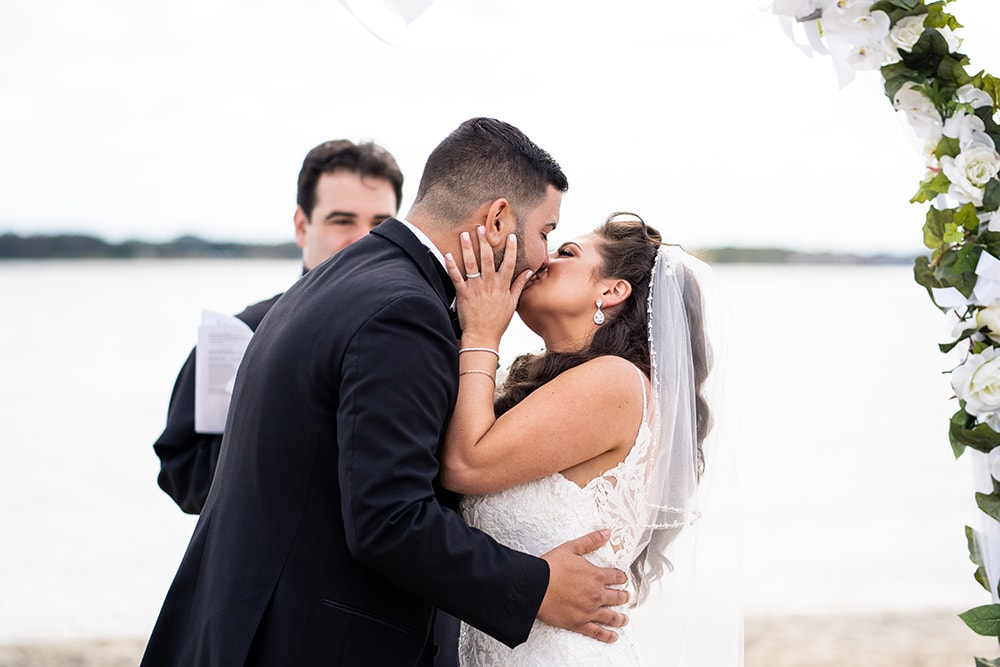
[(344, 190)]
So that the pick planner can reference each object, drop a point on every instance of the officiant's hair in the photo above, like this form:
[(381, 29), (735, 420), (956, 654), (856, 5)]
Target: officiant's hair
[(482, 160), (367, 160)]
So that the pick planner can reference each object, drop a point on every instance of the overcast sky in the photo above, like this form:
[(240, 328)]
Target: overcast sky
[(132, 120)]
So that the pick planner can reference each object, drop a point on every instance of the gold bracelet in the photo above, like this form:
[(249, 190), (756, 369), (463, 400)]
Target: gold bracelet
[(476, 370), (480, 349)]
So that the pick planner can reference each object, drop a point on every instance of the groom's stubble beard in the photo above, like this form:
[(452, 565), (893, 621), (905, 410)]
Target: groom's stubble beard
[(521, 263)]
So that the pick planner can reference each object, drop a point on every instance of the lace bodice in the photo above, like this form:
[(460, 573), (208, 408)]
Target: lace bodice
[(539, 516)]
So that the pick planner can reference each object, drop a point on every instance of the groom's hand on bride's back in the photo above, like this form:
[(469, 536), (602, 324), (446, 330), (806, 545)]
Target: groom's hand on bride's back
[(578, 597)]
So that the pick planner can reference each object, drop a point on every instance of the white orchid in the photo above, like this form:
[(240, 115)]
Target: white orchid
[(856, 21), (967, 128), (866, 56), (798, 9), (920, 111), (969, 94)]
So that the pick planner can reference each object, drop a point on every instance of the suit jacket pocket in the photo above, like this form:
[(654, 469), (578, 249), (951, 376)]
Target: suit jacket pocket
[(370, 616)]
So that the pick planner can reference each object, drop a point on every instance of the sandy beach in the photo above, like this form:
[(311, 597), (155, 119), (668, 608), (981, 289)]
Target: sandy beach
[(925, 639)]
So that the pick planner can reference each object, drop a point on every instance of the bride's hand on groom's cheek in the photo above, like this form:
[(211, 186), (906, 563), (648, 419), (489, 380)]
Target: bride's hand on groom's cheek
[(485, 296), (578, 597)]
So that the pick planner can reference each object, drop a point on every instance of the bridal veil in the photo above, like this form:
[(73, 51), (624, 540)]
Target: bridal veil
[(689, 610)]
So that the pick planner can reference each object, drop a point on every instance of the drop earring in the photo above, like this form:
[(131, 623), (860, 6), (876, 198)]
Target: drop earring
[(599, 316)]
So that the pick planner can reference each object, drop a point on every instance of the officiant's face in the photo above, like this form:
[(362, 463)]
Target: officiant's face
[(347, 207)]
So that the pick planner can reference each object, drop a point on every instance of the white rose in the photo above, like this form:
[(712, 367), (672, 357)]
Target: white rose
[(977, 382), (970, 172), (906, 32), (891, 52), (920, 111), (989, 318)]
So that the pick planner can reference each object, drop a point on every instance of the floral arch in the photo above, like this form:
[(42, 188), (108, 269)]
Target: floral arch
[(953, 112)]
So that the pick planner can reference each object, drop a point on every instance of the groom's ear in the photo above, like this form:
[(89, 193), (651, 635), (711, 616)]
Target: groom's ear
[(500, 223)]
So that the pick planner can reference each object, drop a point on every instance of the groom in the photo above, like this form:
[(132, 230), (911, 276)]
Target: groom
[(326, 539)]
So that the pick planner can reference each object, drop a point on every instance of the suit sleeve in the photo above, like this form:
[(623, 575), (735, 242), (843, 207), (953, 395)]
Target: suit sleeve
[(398, 386), (188, 458)]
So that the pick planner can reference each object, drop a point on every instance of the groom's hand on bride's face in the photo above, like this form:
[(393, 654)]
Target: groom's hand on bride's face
[(578, 597)]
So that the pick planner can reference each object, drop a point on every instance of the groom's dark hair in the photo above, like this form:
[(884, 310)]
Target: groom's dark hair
[(482, 160)]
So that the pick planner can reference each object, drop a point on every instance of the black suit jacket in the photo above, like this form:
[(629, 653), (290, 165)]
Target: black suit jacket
[(188, 458), (326, 539)]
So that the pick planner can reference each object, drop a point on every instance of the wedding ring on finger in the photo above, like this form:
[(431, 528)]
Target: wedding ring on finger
[(469, 276)]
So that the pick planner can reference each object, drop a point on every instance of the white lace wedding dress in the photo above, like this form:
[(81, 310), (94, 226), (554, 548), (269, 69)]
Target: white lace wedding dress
[(537, 517)]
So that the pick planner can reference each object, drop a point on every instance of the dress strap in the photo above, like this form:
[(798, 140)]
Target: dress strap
[(645, 400)]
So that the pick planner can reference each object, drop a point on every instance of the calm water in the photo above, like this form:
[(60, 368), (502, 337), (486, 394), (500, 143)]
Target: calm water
[(852, 498)]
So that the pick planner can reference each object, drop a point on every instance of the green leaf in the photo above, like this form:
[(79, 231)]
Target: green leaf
[(991, 196), (948, 347), (935, 226), (989, 84), (951, 72), (927, 53), (923, 274), (953, 233), (886, 5), (931, 189), (898, 10), (956, 267), (895, 75), (976, 556), (948, 147), (967, 258), (991, 240), (937, 17), (984, 620), (989, 503), (967, 218), (983, 662), (980, 345), (964, 432)]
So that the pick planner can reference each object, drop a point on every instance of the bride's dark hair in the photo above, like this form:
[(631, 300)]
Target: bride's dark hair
[(628, 252)]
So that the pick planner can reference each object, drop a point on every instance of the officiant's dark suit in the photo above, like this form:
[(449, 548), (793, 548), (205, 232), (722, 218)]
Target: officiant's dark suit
[(325, 538)]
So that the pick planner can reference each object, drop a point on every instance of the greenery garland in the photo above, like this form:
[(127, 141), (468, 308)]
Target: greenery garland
[(953, 112)]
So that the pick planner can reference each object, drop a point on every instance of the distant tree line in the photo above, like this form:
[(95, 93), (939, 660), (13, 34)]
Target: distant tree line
[(785, 256), (80, 246)]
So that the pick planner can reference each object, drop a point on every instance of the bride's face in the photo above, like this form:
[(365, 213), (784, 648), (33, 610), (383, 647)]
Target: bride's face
[(567, 290)]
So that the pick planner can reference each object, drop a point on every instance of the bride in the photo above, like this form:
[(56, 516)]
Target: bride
[(606, 428)]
